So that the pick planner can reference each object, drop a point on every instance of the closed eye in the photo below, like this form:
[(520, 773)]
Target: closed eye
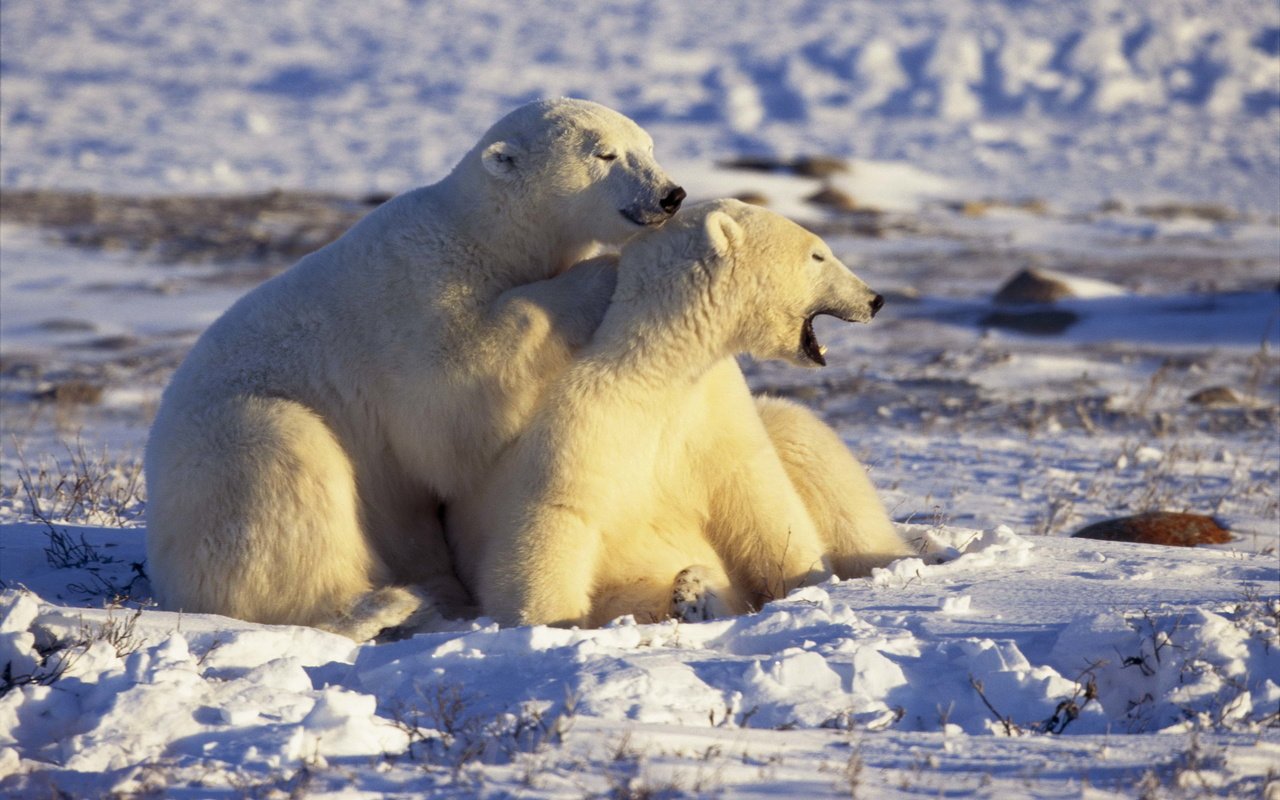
[(606, 156), (819, 257)]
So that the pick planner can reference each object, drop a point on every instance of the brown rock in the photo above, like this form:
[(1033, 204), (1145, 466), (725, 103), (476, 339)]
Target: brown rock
[(1158, 527), (1215, 396), (754, 163), (1033, 286), (822, 167), (832, 198), (752, 198), (1205, 211)]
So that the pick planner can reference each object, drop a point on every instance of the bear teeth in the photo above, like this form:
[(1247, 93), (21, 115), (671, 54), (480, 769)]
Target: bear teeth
[(822, 349)]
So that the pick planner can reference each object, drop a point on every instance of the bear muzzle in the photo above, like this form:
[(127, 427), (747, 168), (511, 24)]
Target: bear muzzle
[(649, 217), (671, 200), (817, 353)]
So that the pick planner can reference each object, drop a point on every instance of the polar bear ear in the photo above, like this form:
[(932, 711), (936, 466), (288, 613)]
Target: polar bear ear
[(723, 232), (501, 159)]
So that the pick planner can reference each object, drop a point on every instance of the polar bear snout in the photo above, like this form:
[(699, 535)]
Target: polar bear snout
[(877, 303), (668, 200), (671, 201)]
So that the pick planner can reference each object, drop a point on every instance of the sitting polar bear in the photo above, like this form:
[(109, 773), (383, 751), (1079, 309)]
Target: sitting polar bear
[(650, 482), (301, 452)]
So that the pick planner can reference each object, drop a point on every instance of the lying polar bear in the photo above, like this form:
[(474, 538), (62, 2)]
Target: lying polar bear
[(300, 454), (649, 483)]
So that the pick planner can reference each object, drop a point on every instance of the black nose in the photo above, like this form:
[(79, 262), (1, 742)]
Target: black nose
[(671, 203), (877, 303)]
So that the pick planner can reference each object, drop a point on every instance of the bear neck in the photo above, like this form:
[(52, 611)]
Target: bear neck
[(516, 240)]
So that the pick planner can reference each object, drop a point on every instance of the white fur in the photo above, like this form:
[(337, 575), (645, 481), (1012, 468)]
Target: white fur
[(301, 452), (651, 473)]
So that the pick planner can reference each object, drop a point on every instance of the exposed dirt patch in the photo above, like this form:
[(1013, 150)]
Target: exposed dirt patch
[(277, 226)]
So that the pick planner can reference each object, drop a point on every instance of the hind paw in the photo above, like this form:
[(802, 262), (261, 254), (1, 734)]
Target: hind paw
[(692, 598)]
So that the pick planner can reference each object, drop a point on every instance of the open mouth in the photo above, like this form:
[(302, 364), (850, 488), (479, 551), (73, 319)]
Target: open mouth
[(816, 353)]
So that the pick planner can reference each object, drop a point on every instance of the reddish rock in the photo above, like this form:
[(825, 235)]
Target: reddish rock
[(1158, 527)]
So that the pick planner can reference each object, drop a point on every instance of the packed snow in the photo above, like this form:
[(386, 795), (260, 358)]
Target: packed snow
[(1130, 149)]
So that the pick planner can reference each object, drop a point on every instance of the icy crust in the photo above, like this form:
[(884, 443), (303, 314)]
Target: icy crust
[(940, 643)]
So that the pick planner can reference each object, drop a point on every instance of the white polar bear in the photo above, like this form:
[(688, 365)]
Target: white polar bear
[(301, 452), (650, 482)]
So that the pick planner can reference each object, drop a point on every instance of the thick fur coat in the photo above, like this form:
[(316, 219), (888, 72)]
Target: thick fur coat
[(300, 454), (651, 482)]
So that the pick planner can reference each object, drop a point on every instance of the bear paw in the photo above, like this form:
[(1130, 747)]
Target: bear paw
[(692, 598), (388, 612)]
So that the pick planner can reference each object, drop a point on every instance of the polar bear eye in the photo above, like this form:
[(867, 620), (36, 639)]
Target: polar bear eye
[(606, 156), (819, 257)]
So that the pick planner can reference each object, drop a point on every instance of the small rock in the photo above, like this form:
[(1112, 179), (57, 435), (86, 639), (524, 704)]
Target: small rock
[(1158, 527), (1033, 286), (1215, 396), (752, 198), (66, 325), (754, 163), (979, 208), (112, 343), (1209, 212), (821, 167), (832, 198)]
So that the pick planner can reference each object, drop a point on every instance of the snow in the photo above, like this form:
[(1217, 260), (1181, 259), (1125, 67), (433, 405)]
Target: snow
[(1004, 659), (1138, 100), (1160, 651)]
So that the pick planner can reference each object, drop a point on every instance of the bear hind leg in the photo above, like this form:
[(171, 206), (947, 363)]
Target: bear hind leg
[(253, 514), (834, 486)]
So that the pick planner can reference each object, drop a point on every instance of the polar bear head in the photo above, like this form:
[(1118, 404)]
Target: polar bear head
[(747, 278), (577, 170)]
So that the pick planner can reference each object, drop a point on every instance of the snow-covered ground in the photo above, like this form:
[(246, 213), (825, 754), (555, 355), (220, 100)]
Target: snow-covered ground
[(1006, 661), (1075, 102), (1020, 667)]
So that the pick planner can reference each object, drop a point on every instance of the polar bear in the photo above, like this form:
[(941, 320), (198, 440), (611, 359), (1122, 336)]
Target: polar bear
[(300, 454), (651, 482)]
